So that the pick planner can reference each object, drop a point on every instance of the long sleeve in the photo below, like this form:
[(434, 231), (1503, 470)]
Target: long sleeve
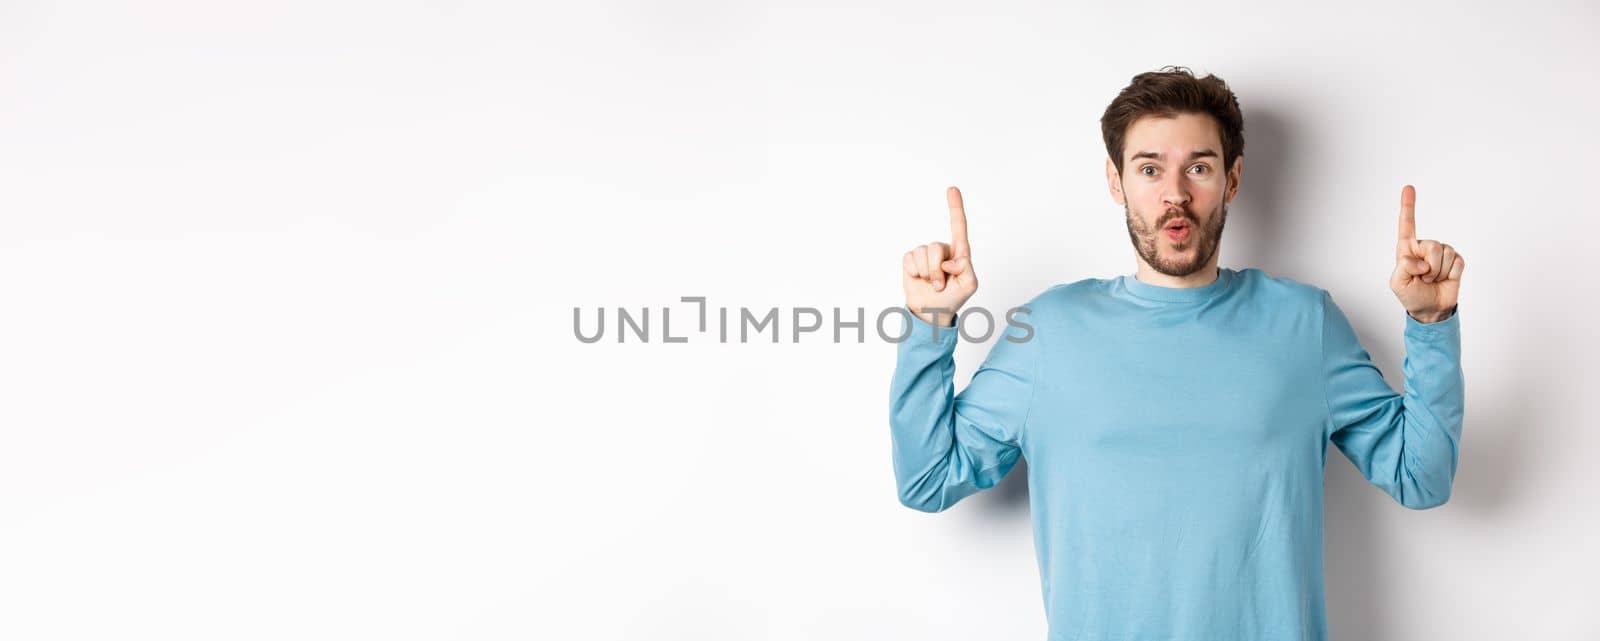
[(1408, 444), (947, 447)]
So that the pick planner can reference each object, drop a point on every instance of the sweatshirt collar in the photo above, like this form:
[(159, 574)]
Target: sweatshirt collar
[(1145, 290)]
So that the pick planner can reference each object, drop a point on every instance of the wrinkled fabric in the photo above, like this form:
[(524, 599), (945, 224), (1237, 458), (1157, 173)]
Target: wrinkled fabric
[(1176, 441)]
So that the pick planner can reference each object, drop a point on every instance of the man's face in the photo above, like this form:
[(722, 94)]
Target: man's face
[(1174, 190)]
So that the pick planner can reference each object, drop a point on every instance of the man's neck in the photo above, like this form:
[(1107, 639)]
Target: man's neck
[(1200, 278)]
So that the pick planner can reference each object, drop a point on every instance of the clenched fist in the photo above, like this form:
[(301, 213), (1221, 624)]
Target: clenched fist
[(940, 276)]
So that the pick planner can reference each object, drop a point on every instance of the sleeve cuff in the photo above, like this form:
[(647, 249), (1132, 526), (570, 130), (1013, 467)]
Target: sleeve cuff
[(1450, 325), (922, 333)]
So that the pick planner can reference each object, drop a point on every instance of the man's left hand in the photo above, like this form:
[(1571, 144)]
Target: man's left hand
[(1427, 273)]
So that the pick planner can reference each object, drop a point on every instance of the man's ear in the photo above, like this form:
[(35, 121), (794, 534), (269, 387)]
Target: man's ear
[(1233, 177), (1114, 182)]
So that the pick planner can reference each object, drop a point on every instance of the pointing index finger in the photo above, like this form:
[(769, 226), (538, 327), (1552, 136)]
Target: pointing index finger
[(1408, 214), (958, 223)]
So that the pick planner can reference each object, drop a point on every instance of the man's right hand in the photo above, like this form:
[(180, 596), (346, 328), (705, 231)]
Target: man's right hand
[(940, 276)]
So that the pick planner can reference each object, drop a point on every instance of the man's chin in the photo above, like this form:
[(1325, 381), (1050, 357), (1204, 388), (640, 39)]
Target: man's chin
[(1182, 260), (1180, 268)]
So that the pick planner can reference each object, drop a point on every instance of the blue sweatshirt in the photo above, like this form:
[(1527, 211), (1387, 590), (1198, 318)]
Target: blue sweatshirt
[(1176, 440)]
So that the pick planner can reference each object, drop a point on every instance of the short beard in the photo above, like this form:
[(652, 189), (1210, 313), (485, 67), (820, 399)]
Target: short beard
[(1145, 240)]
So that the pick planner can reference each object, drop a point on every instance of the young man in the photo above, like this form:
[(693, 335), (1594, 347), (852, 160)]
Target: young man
[(1176, 421)]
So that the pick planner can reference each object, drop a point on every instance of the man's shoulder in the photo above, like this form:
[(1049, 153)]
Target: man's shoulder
[(1278, 286), (1065, 293)]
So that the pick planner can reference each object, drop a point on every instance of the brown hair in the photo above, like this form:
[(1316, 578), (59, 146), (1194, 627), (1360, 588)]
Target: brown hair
[(1167, 93)]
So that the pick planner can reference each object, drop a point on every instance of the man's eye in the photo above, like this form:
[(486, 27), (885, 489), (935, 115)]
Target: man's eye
[(1143, 169), (1203, 168)]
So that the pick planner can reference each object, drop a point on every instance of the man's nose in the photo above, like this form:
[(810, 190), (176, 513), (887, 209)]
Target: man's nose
[(1173, 193)]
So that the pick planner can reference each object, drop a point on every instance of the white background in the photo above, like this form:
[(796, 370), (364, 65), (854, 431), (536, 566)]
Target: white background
[(286, 293)]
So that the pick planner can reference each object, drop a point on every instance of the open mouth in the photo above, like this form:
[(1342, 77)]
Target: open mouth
[(1177, 230)]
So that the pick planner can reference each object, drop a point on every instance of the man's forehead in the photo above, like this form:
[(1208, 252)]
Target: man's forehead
[(1186, 135)]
